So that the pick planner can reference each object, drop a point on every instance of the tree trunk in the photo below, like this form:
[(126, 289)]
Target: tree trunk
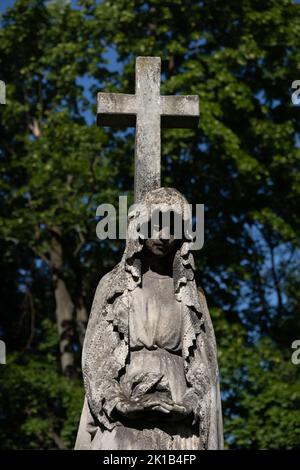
[(64, 309), (81, 319)]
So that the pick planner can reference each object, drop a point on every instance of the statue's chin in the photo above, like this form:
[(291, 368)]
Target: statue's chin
[(159, 252)]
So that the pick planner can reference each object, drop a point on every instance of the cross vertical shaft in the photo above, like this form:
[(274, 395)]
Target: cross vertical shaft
[(147, 137)]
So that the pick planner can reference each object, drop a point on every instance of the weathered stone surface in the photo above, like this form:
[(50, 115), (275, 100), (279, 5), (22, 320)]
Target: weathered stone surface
[(148, 111)]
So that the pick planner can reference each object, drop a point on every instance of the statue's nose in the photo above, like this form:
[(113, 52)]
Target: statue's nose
[(164, 233)]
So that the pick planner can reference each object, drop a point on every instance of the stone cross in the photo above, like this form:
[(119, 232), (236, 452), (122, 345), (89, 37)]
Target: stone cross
[(2, 92), (148, 111)]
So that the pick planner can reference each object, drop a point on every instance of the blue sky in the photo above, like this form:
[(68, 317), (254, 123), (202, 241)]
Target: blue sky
[(4, 4)]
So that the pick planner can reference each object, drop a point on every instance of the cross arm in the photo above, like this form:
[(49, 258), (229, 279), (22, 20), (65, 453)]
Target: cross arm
[(180, 111), (116, 110)]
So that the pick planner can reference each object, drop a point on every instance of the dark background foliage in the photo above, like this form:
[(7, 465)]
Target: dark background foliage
[(57, 167)]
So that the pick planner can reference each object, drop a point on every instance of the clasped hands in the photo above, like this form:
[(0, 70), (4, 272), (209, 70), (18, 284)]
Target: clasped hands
[(157, 402)]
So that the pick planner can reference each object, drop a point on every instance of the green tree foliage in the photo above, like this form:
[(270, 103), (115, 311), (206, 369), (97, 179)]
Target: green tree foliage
[(56, 167)]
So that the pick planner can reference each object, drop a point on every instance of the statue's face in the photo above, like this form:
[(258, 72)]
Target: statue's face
[(161, 247), (162, 239)]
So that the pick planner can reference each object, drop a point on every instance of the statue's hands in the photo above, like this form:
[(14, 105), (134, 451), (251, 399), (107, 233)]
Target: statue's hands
[(160, 402), (132, 408), (129, 408), (182, 409), (157, 402), (177, 411)]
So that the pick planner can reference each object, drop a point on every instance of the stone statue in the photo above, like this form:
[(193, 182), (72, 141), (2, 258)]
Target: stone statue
[(149, 357)]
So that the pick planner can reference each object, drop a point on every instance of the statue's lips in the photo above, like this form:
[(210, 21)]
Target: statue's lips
[(159, 242)]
